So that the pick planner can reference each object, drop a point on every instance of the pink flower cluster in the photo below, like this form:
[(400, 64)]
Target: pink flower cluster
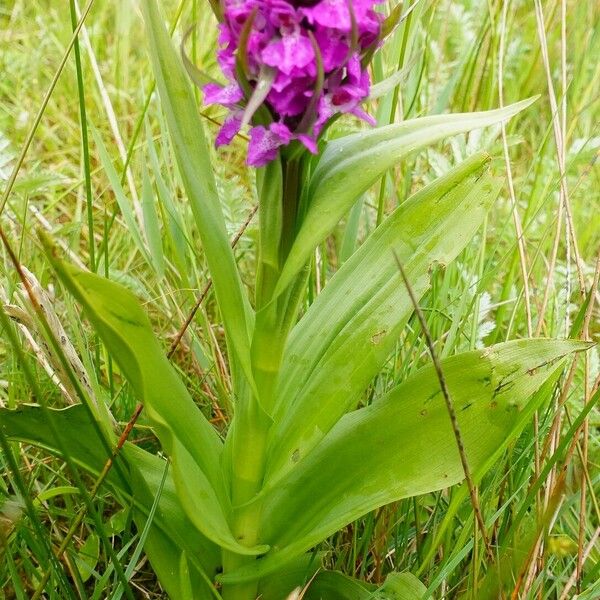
[(307, 56)]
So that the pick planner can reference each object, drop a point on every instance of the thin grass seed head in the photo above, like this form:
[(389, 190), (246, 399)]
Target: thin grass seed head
[(291, 66)]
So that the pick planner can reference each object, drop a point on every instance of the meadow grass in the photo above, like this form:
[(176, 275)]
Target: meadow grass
[(530, 272)]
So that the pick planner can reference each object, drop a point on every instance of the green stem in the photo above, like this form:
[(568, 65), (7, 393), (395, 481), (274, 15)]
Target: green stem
[(249, 438), (251, 424), (291, 181), (84, 141), (269, 184)]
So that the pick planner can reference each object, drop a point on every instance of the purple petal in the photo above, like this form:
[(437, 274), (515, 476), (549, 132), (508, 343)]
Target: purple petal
[(292, 51), (334, 48), (238, 11), (265, 143), (330, 13), (283, 14), (291, 99), (228, 95), (357, 111), (309, 142), (325, 111), (229, 129), (282, 132)]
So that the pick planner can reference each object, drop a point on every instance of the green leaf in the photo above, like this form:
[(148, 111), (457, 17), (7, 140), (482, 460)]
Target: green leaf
[(141, 542), (152, 226), (333, 585), (87, 557), (188, 438), (400, 586), (166, 558), (122, 201), (27, 424), (294, 575), (117, 522), (198, 76), (351, 236), (47, 494), (403, 444), (175, 233), (394, 80), (366, 305), (350, 165), (135, 477), (392, 20), (193, 160), (174, 534)]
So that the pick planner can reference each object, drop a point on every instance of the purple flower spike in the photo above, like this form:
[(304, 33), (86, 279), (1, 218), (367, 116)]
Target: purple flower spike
[(300, 40)]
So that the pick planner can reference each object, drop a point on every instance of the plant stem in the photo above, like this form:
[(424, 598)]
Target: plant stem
[(84, 141), (250, 433), (291, 178), (251, 425)]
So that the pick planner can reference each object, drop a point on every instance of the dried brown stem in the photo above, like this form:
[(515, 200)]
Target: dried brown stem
[(451, 412)]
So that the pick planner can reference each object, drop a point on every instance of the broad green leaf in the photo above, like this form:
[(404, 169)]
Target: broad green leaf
[(117, 522), (135, 477), (333, 585), (166, 555), (187, 588), (350, 165), (366, 305), (193, 159), (403, 444), (188, 438), (173, 525), (27, 424), (87, 557), (400, 586), (144, 532), (292, 576)]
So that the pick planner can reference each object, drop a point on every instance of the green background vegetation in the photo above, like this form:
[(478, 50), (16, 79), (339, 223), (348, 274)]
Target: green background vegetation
[(458, 56)]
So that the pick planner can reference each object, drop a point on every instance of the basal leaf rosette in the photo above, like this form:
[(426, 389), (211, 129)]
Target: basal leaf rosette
[(304, 61)]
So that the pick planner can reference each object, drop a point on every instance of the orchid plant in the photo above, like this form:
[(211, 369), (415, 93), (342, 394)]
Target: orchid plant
[(242, 517)]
